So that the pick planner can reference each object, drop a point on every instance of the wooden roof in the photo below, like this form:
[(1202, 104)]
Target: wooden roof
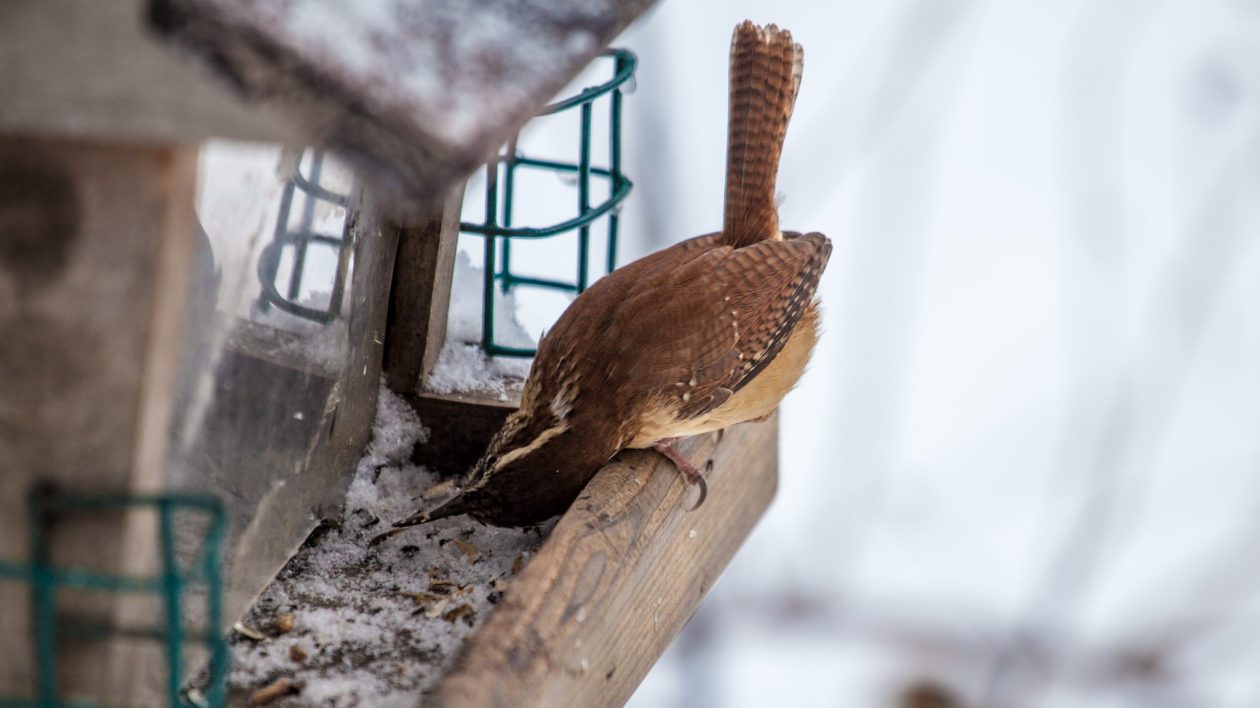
[(423, 91)]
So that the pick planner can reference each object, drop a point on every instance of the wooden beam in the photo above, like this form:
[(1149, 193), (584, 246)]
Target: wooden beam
[(354, 411), (421, 294), (94, 248), (620, 575)]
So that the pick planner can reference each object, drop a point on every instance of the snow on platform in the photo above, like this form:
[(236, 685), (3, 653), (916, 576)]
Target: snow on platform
[(345, 625)]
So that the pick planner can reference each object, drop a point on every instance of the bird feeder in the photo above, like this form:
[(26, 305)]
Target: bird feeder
[(164, 458)]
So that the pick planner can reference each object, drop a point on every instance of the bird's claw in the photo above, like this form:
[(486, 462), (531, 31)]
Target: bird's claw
[(689, 471)]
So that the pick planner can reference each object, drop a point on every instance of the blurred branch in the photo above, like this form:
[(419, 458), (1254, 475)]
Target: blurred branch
[(1140, 406), (964, 644)]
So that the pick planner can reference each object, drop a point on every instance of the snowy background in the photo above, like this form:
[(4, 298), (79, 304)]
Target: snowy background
[(1022, 469)]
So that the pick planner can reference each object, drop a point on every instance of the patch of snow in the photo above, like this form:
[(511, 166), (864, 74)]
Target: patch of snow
[(323, 344), (401, 53), (376, 626), (463, 368), (397, 430)]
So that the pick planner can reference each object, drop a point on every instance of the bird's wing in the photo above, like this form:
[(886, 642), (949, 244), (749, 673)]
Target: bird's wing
[(731, 312)]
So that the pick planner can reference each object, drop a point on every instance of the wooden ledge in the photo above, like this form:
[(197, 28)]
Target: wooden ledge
[(460, 425), (620, 575)]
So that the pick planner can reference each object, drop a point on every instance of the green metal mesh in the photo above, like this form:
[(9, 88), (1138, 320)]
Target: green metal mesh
[(171, 584), (497, 228), (296, 233)]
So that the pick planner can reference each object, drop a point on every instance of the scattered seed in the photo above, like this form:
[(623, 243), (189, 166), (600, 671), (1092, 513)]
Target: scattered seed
[(517, 564), (284, 623), (443, 587), (437, 608), (438, 491), (272, 692), (421, 598), (467, 549), (246, 631), (464, 611), (296, 653)]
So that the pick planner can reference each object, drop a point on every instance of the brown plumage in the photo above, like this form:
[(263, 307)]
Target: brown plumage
[(707, 333), (766, 69)]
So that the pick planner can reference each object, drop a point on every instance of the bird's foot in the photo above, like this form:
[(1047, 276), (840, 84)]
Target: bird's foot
[(666, 447)]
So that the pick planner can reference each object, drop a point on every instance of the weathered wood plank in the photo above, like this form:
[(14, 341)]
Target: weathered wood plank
[(620, 575), (421, 295), (87, 68), (94, 246), (375, 247)]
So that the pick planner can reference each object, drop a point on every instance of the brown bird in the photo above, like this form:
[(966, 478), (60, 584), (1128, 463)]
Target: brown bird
[(704, 334)]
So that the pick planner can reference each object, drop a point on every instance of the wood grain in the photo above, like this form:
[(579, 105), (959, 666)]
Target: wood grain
[(620, 575), (354, 411), (421, 294), (94, 246)]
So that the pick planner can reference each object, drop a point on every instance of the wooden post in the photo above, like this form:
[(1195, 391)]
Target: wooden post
[(421, 294), (620, 575), (94, 246), (350, 422)]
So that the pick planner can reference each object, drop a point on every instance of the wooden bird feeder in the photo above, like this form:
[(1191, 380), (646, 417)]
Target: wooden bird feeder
[(105, 107)]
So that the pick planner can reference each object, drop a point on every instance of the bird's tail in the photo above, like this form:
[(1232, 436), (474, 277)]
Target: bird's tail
[(766, 70)]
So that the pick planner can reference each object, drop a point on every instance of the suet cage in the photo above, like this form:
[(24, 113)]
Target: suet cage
[(295, 236), (173, 584), (499, 228)]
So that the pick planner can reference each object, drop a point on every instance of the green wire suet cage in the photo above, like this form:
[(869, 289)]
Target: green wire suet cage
[(295, 235), (498, 229), (172, 584)]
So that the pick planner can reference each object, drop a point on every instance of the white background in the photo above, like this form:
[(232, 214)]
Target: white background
[(1023, 465)]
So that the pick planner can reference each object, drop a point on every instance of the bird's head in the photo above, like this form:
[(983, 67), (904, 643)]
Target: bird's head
[(541, 418)]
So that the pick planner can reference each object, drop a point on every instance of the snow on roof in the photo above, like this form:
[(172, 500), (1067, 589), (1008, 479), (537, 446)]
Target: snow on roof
[(425, 89)]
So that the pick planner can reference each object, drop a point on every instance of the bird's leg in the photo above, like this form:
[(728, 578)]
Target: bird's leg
[(665, 446)]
